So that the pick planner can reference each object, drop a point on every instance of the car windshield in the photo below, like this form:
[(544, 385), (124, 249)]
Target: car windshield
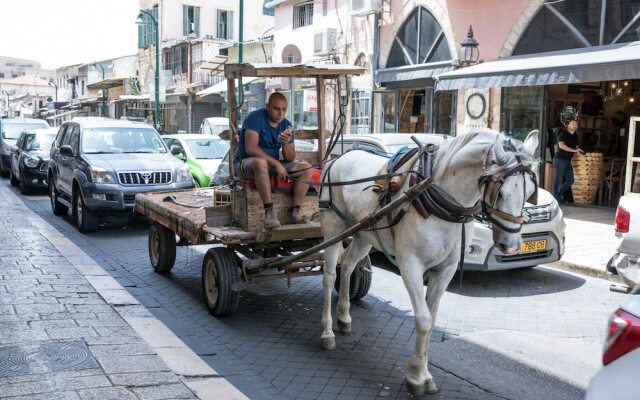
[(208, 148), (39, 141), (12, 131), (121, 140)]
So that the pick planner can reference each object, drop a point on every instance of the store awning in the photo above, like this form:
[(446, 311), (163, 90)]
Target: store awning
[(593, 64), (222, 86), (106, 83), (412, 72), (64, 114)]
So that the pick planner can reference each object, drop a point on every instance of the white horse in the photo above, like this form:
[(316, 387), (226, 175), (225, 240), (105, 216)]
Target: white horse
[(425, 245)]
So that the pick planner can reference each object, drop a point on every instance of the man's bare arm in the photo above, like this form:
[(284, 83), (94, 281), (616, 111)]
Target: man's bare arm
[(251, 140)]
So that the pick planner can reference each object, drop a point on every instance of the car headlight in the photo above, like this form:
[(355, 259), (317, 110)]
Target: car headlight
[(553, 209), (101, 175), (183, 174), (31, 162)]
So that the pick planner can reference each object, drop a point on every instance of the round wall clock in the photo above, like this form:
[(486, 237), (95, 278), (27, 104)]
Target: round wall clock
[(476, 105)]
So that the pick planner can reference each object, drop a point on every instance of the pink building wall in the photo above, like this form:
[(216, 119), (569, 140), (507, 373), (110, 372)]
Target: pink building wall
[(492, 21)]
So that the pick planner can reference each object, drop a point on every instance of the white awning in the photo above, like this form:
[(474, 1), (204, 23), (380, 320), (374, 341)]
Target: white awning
[(222, 86), (412, 72), (64, 114), (592, 64)]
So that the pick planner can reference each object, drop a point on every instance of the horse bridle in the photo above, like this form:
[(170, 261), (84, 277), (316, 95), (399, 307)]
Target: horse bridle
[(492, 184)]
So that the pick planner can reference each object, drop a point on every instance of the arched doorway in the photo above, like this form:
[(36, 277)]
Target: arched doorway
[(408, 103)]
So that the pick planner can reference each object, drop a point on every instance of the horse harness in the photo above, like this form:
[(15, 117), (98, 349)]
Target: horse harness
[(434, 200)]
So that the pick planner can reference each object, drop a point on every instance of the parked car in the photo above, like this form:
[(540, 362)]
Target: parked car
[(202, 153), (30, 159), (10, 129), (98, 165), (542, 234), (616, 379), (626, 261), (214, 125)]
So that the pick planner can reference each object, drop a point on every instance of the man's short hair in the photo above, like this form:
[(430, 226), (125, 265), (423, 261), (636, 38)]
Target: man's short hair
[(276, 96)]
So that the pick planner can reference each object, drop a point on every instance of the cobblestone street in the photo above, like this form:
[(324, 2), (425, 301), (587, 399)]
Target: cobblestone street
[(541, 328)]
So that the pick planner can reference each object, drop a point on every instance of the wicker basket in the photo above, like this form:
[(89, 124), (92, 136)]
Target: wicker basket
[(587, 170)]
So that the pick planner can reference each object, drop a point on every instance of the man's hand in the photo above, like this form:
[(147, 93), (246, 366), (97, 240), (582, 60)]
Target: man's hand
[(281, 172), (285, 136)]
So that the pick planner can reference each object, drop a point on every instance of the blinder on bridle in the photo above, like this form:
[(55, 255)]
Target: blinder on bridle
[(492, 186)]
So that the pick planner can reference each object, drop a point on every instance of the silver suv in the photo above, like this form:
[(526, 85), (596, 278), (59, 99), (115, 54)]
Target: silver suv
[(98, 165)]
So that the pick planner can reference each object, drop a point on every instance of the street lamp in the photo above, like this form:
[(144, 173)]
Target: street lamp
[(469, 52), (95, 65), (140, 21), (52, 83)]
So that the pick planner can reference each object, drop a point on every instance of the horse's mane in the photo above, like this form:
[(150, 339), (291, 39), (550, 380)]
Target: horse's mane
[(449, 149)]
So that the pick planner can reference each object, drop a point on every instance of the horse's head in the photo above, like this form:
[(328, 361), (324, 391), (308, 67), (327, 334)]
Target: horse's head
[(506, 186)]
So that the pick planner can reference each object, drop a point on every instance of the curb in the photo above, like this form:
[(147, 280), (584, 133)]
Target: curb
[(593, 272), (205, 382)]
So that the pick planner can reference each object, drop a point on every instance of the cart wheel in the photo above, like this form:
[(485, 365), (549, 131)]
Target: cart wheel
[(219, 271), (360, 281), (162, 247)]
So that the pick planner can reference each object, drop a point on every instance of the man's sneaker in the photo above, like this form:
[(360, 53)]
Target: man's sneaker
[(296, 218), (270, 220)]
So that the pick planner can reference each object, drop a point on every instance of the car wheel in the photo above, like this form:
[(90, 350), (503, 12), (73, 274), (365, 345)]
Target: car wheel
[(57, 207), (196, 183), (12, 178), (86, 220), (24, 187)]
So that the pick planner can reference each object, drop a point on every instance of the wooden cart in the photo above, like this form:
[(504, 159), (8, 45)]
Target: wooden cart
[(234, 218)]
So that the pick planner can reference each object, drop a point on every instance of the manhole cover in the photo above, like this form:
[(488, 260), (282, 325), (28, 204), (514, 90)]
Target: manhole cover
[(50, 357)]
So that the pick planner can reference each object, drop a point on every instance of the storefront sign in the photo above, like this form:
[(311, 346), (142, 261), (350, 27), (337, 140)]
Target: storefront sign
[(309, 101)]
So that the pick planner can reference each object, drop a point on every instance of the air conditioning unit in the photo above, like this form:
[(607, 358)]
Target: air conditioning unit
[(364, 7), (325, 41)]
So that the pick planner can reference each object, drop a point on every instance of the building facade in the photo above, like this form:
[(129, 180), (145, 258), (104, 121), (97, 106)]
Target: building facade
[(191, 34)]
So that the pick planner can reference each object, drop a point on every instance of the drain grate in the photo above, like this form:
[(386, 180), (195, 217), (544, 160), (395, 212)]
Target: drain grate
[(50, 357)]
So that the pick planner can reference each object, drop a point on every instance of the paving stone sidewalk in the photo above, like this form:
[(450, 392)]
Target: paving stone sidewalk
[(590, 241), (70, 331)]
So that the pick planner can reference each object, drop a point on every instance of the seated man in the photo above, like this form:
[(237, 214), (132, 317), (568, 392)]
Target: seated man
[(263, 134)]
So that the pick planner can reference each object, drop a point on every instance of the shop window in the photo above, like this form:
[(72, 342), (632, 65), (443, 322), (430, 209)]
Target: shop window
[(225, 24), (579, 23), (521, 110), (303, 14), (360, 106), (420, 40), (190, 21)]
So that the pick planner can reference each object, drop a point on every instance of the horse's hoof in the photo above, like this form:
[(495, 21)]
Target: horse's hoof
[(416, 390), (431, 386), (344, 327), (328, 343)]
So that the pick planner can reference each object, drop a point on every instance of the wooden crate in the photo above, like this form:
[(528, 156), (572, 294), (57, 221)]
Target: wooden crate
[(586, 171), (248, 211)]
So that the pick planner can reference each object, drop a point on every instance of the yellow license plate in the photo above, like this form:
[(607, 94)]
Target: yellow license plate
[(536, 245)]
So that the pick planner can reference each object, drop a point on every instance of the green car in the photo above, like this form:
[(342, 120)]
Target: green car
[(202, 153)]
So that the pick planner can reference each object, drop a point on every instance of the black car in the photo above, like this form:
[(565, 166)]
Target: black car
[(30, 159)]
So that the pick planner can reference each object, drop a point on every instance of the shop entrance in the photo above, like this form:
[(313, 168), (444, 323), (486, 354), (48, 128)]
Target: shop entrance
[(604, 110)]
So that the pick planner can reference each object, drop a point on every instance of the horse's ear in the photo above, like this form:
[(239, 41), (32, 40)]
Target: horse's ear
[(500, 153), (531, 142)]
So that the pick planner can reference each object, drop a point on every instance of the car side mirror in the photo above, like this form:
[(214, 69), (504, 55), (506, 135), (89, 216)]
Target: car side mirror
[(66, 150), (175, 150)]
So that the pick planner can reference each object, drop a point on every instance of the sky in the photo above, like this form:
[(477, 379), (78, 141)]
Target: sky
[(65, 32)]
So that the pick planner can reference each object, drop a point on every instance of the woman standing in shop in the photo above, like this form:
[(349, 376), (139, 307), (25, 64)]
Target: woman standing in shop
[(567, 147)]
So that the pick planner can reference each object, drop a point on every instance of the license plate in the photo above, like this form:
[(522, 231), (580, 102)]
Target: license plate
[(536, 245)]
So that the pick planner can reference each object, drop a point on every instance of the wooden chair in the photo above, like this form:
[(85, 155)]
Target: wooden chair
[(612, 179)]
